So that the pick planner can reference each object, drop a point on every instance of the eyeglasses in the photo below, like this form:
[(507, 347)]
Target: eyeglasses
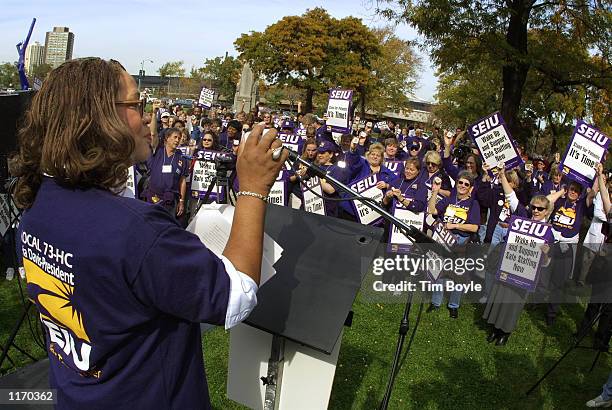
[(414, 148), (207, 140), (432, 164), (138, 104), (538, 208), (463, 183)]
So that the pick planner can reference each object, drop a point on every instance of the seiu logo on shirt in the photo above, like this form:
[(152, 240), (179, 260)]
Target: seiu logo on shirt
[(49, 272)]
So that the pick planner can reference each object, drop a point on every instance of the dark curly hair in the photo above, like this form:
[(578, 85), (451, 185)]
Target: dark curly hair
[(72, 131)]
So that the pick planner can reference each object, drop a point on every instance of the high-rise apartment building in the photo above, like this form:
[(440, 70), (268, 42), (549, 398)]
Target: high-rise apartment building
[(58, 46), (35, 56)]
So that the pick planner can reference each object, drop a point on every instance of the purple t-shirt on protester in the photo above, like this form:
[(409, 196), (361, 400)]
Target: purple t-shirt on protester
[(458, 211), (166, 171), (121, 290), (566, 217)]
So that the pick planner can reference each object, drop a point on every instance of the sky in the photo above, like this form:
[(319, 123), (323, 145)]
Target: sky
[(133, 31)]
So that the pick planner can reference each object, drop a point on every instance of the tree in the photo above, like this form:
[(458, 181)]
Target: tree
[(461, 33), (40, 71), (292, 51), (223, 72), (394, 73), (172, 69), (350, 63), (9, 77), (467, 95)]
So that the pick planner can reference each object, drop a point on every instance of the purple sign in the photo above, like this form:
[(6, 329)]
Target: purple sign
[(585, 150), (292, 141), (493, 139), (339, 110), (522, 254)]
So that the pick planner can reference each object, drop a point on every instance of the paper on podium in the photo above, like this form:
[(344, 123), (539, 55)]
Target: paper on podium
[(213, 224)]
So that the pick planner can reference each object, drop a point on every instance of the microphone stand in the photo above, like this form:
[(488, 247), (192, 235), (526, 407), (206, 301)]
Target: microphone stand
[(409, 231)]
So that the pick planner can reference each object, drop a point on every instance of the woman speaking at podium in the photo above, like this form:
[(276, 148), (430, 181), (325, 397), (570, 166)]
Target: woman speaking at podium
[(120, 287)]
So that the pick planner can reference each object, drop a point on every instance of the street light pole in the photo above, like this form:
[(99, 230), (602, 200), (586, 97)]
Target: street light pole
[(142, 71)]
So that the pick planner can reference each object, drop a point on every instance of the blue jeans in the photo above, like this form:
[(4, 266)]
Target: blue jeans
[(606, 394), (499, 234), (455, 296)]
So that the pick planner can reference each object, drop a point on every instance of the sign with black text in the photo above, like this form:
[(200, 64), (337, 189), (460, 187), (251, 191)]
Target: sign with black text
[(398, 242), (338, 110), (367, 187), (522, 254), (585, 150), (207, 97), (492, 137), (313, 203), (204, 171)]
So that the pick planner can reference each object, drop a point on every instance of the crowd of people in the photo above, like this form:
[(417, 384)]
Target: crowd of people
[(128, 310), (439, 174)]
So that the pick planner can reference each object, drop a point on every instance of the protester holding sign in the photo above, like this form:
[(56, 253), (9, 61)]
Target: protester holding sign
[(491, 195), (506, 301), (555, 182), (470, 163), (461, 214), (570, 206), (367, 175)]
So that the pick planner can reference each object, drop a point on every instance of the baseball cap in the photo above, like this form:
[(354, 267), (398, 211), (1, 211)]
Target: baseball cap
[(326, 146), (288, 124), (165, 114)]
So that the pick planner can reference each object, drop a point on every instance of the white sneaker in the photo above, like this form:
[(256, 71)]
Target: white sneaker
[(10, 273), (599, 402)]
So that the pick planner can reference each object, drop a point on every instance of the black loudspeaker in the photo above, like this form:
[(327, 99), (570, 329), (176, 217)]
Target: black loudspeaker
[(12, 108)]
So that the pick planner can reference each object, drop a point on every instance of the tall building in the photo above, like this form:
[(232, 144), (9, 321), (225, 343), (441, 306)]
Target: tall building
[(58, 46), (35, 56)]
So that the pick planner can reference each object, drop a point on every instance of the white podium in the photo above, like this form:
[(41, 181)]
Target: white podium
[(306, 375)]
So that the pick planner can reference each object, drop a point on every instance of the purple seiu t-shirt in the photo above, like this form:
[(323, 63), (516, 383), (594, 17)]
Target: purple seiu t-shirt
[(121, 289), (566, 217), (458, 211), (412, 189)]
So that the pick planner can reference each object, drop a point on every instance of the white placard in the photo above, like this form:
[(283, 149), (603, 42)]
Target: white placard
[(313, 203), (207, 97)]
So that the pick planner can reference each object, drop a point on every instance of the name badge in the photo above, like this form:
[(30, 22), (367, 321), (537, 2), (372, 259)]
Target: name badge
[(166, 169)]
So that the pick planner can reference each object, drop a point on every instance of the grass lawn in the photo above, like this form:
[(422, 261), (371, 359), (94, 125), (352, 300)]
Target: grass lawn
[(11, 309), (450, 365)]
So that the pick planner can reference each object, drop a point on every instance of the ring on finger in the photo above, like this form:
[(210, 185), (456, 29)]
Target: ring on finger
[(276, 153)]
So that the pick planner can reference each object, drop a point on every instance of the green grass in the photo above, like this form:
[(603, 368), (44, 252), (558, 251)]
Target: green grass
[(450, 365), (11, 308)]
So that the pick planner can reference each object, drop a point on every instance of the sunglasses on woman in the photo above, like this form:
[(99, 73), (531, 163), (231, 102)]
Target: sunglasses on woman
[(432, 164), (138, 104), (538, 208), (464, 183)]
